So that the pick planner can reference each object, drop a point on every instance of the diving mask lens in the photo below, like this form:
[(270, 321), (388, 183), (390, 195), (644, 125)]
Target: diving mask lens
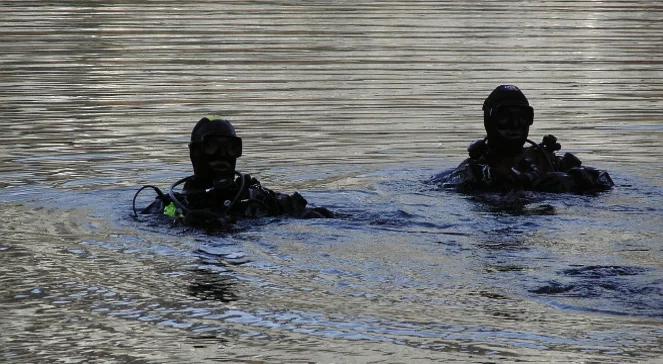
[(522, 115), (223, 146)]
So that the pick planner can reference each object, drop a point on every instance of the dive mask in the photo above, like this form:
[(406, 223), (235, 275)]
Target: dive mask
[(221, 146), (522, 115)]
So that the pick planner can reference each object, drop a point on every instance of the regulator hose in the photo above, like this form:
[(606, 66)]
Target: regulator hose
[(155, 188), (173, 197), (550, 164)]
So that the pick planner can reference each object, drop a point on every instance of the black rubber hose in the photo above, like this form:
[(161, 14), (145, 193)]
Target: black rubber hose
[(239, 192), (155, 188), (173, 197), (550, 164), (185, 209)]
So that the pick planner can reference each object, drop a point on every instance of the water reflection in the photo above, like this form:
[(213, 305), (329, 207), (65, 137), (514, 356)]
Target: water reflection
[(208, 285), (213, 278), (335, 81), (515, 203), (355, 105)]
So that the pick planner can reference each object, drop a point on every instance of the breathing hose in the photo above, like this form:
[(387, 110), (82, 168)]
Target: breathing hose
[(155, 188), (545, 155), (172, 196)]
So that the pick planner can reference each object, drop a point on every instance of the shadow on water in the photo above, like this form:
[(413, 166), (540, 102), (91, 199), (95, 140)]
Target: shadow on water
[(514, 203), (207, 285)]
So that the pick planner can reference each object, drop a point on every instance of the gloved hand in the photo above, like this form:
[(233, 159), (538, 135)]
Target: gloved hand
[(526, 173)]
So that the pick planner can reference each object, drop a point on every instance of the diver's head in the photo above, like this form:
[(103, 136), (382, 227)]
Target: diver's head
[(507, 116), (214, 149)]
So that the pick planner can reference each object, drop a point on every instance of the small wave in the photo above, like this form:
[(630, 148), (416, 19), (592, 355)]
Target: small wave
[(606, 289), (600, 271)]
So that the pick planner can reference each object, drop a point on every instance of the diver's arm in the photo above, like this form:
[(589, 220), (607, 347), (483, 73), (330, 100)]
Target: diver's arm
[(571, 176), (587, 179), (578, 180), (262, 201), (590, 179), (295, 205)]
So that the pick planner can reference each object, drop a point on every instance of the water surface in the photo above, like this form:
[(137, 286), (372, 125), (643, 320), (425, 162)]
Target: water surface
[(355, 105)]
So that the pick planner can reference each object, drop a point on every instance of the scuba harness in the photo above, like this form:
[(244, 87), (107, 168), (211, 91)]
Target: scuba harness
[(549, 144), (208, 196), (525, 171), (173, 203)]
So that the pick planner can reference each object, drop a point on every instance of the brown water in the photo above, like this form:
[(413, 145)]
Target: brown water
[(355, 105)]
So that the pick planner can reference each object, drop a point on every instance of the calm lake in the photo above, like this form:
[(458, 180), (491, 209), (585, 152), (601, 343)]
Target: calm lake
[(355, 105)]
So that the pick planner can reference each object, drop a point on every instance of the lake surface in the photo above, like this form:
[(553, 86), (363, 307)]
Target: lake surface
[(355, 105)]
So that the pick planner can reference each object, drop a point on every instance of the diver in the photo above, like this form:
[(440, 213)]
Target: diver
[(500, 162), (216, 195)]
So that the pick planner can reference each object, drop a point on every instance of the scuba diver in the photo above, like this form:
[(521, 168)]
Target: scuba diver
[(216, 195), (500, 162)]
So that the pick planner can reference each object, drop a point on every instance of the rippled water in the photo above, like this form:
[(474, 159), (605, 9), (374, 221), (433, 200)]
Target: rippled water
[(355, 105)]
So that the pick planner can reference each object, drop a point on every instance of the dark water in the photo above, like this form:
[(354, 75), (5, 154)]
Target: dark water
[(355, 105)]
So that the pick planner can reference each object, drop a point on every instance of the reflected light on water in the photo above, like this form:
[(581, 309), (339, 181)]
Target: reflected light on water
[(354, 104)]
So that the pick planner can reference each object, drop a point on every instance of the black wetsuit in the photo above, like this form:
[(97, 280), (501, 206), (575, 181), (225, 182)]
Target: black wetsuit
[(244, 197), (534, 168)]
